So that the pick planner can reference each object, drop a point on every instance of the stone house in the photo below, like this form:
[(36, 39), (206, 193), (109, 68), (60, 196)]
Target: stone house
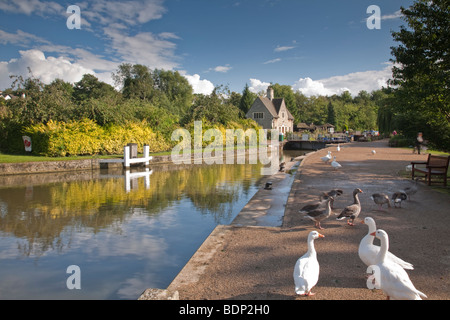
[(271, 113)]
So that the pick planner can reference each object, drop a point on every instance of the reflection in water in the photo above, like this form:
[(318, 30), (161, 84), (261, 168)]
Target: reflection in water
[(126, 231)]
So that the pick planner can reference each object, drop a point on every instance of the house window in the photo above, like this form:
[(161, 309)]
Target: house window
[(258, 115), (282, 115)]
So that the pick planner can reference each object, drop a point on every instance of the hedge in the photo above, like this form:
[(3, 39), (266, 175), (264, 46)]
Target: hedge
[(86, 137)]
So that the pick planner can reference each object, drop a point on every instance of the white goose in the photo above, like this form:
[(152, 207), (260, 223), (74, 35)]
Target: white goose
[(327, 157), (368, 252), (306, 270), (335, 164), (393, 279), (338, 147)]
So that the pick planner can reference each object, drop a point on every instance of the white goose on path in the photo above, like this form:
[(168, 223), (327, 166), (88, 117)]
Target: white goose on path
[(335, 164), (368, 252), (306, 270), (327, 157), (392, 278)]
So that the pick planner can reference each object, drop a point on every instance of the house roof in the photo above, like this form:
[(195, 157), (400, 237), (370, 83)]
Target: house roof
[(303, 125), (274, 107)]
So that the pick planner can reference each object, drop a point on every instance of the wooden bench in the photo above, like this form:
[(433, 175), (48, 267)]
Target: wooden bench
[(434, 166)]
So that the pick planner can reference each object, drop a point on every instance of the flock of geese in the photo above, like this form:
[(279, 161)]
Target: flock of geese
[(322, 209), (389, 270), (336, 165)]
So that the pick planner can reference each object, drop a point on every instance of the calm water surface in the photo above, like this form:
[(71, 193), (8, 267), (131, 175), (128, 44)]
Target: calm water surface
[(126, 235)]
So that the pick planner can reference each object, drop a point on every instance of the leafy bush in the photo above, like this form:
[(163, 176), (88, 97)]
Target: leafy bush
[(85, 137)]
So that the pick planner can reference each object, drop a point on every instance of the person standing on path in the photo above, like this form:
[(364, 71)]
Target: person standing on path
[(419, 141)]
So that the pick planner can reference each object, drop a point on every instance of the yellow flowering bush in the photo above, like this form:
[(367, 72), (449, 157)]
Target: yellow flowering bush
[(86, 137)]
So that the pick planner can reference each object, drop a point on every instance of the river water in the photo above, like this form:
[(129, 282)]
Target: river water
[(124, 233)]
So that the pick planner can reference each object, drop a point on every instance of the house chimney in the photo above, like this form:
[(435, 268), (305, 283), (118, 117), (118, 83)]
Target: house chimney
[(270, 93)]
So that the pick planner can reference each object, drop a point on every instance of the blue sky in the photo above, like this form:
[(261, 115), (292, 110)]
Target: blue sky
[(317, 47)]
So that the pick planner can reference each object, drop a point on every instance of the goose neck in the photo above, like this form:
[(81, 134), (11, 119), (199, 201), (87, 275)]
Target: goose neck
[(383, 250), (311, 248), (356, 198)]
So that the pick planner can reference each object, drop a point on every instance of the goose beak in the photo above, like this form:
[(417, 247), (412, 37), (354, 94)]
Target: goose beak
[(321, 235), (373, 234), (362, 221)]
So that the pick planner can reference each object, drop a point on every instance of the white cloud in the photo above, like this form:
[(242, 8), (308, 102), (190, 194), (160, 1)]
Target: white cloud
[(355, 82), (45, 68), (20, 38), (272, 61), (258, 86), (309, 87), (29, 7), (395, 15), (143, 48), (200, 86), (127, 12), (283, 48), (223, 69)]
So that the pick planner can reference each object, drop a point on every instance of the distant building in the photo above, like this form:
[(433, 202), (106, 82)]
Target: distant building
[(301, 127), (10, 96), (271, 113)]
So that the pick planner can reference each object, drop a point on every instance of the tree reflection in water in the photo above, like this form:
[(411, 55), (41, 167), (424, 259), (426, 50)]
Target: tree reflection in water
[(126, 236)]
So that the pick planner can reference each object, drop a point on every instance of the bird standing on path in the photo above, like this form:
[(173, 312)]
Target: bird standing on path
[(318, 212), (335, 164), (393, 279), (398, 197), (380, 199), (306, 270), (368, 252), (333, 193), (351, 212), (327, 157)]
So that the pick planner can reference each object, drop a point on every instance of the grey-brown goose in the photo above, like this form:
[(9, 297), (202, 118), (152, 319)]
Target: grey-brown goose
[(351, 212), (398, 197), (334, 193), (319, 211), (380, 199)]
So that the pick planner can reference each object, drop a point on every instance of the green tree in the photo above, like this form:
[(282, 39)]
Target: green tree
[(90, 87), (247, 99), (235, 99), (176, 88), (331, 118), (57, 103), (212, 108), (136, 81), (421, 70)]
